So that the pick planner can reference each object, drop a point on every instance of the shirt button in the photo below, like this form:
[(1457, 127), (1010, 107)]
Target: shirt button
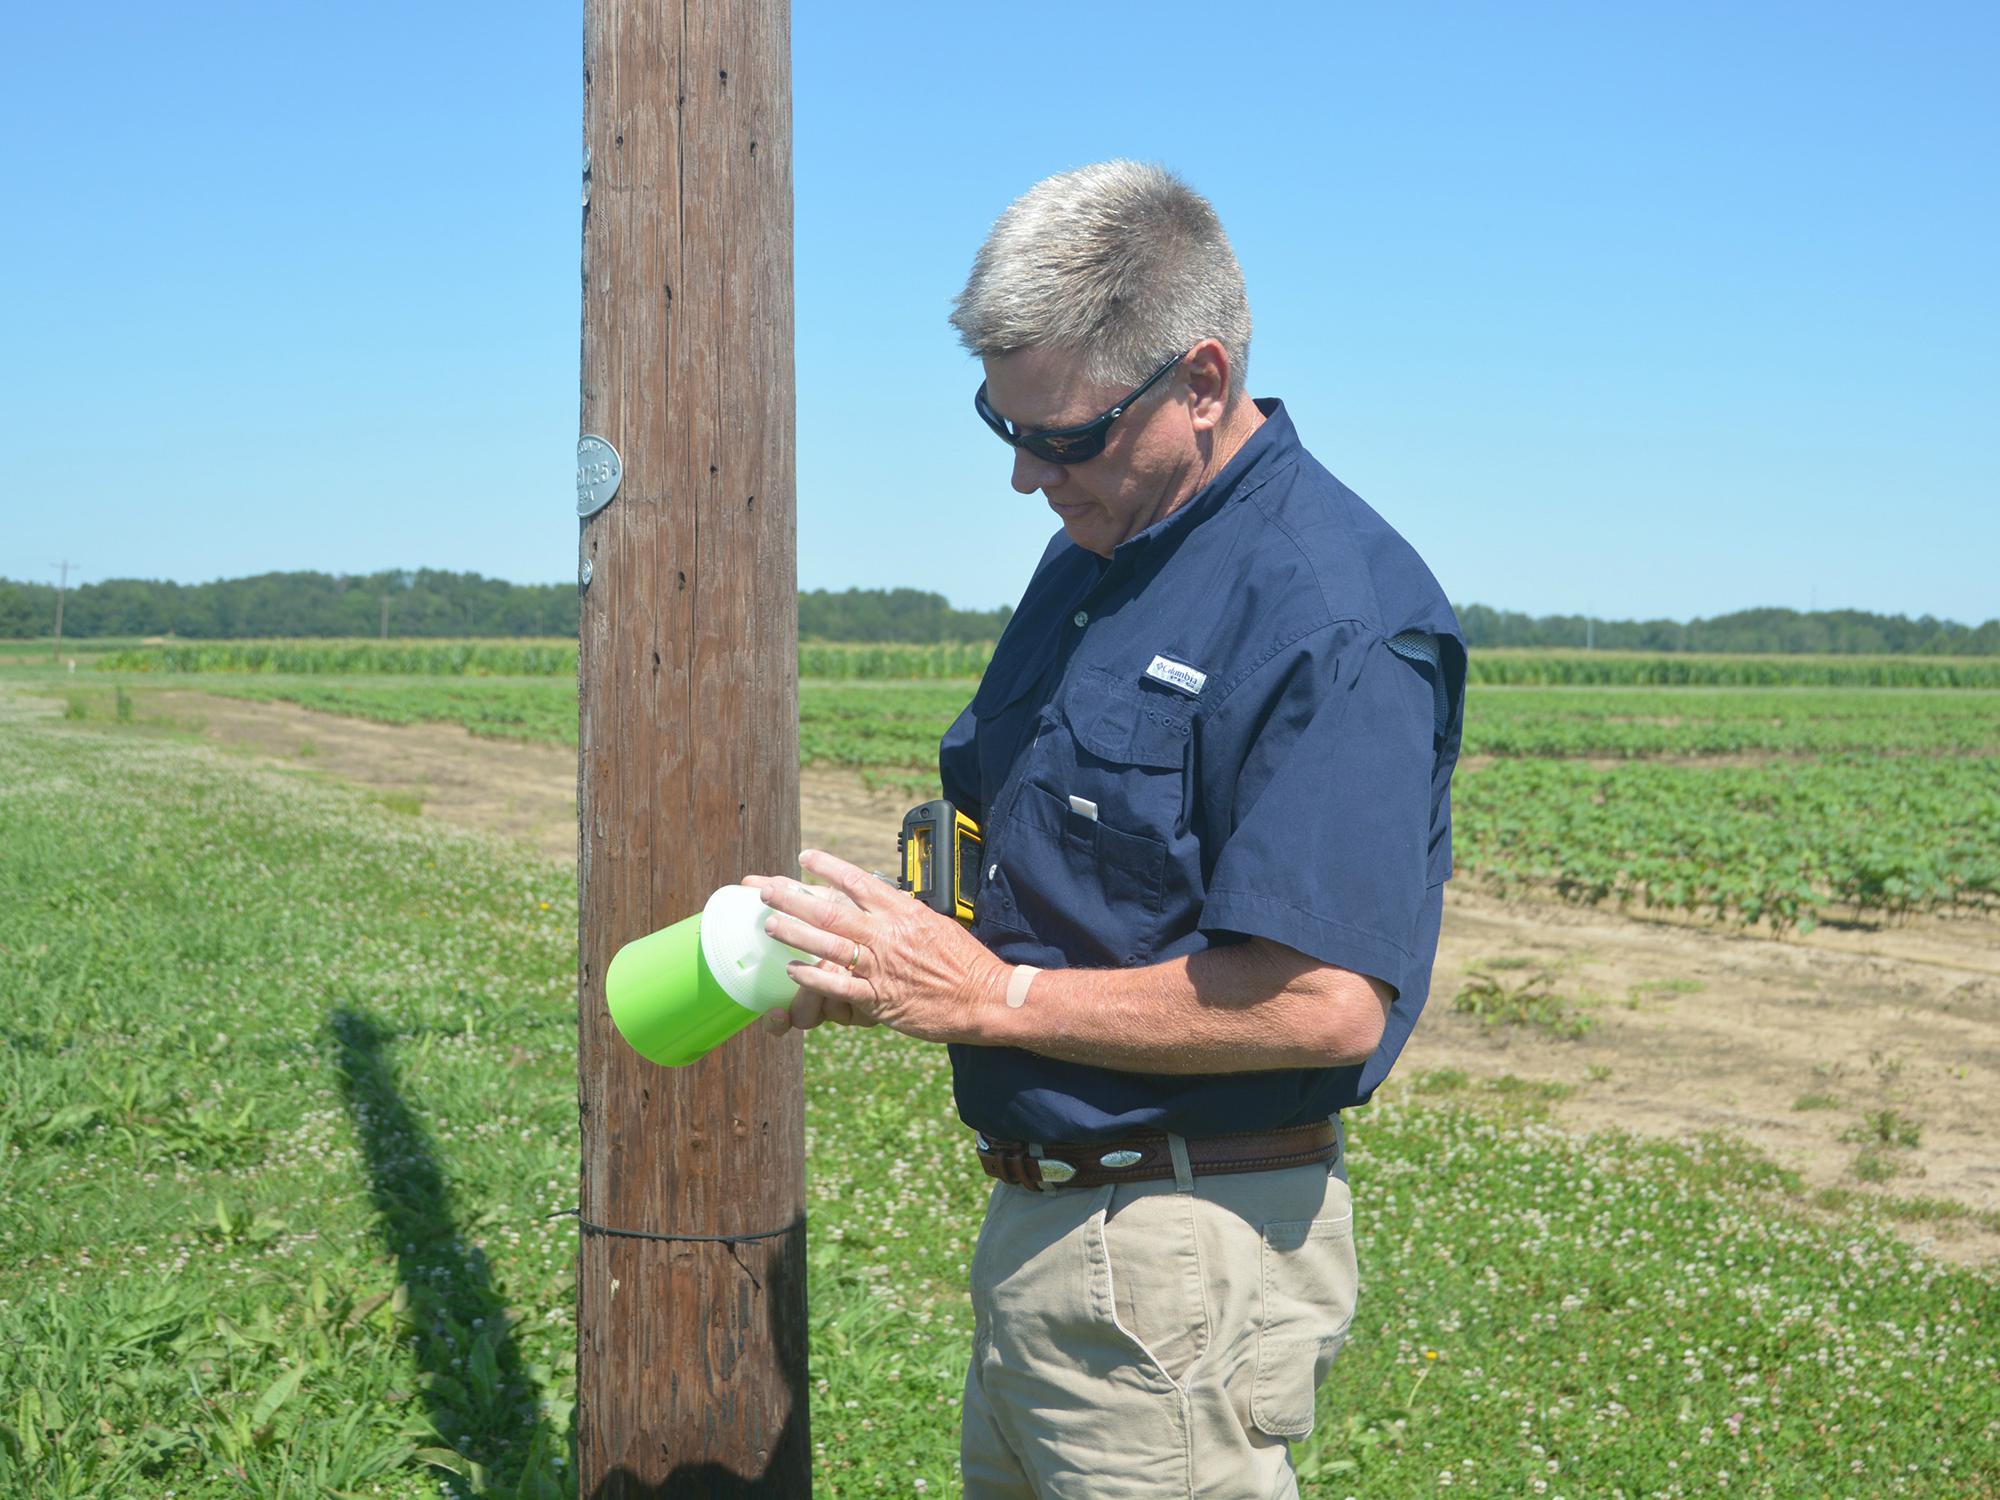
[(1080, 618)]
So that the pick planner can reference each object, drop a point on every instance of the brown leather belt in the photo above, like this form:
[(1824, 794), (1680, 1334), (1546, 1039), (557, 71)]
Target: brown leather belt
[(1139, 1158)]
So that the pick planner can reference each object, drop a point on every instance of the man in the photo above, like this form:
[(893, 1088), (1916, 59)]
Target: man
[(1211, 760)]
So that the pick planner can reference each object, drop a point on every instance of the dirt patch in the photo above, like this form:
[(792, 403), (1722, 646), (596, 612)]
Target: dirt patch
[(1790, 1044), (523, 791), (1693, 1028)]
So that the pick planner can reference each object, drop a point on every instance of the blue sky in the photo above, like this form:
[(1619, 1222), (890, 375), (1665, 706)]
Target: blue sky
[(1629, 310)]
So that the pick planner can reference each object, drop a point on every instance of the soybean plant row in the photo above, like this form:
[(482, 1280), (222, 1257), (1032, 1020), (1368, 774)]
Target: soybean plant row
[(903, 662)]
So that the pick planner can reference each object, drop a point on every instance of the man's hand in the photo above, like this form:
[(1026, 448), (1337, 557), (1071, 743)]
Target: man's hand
[(882, 956), (810, 1008)]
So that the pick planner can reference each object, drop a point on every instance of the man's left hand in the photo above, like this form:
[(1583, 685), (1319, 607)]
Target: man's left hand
[(883, 955)]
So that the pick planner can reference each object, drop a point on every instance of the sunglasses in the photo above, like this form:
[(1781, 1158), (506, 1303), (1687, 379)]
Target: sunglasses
[(1066, 445)]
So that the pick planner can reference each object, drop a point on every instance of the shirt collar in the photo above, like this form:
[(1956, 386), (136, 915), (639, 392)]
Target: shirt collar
[(1271, 445)]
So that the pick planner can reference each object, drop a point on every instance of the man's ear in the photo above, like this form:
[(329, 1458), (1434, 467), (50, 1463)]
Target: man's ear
[(1208, 384)]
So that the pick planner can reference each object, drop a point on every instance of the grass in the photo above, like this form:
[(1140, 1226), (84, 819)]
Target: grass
[(1651, 989), (237, 1256), (887, 729), (1913, 1210), (1873, 1164), (287, 1091), (409, 804), (1506, 1086), (537, 709)]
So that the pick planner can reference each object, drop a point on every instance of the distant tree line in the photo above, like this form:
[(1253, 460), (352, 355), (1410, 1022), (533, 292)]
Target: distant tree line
[(427, 602), (1835, 632), (430, 602), (875, 615)]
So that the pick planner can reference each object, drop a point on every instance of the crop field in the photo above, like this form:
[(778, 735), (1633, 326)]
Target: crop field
[(539, 709), (882, 726), (850, 662), (337, 658), (544, 658), (1636, 723), (1765, 804), (1779, 843), (287, 1098)]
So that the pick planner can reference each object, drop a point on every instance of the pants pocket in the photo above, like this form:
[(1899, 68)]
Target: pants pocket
[(1152, 1276), (1309, 1278)]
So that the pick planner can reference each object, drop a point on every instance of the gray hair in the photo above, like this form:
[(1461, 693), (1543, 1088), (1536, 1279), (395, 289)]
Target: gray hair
[(1120, 261)]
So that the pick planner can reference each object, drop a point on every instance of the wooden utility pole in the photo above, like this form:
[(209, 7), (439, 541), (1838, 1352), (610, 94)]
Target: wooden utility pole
[(62, 587), (691, 1318), (385, 617)]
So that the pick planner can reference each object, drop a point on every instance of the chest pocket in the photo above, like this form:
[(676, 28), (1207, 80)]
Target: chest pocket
[(1125, 725), (1095, 889)]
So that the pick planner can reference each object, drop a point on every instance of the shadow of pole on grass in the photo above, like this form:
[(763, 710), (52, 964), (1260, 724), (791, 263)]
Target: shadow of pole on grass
[(475, 1389)]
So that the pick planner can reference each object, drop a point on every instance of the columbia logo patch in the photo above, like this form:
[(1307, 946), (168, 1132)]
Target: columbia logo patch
[(1178, 675)]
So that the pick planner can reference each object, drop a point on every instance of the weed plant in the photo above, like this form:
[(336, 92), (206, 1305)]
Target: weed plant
[(1531, 1000), (1886, 1127)]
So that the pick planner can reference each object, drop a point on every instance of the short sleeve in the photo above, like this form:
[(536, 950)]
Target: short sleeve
[(958, 765), (1330, 830)]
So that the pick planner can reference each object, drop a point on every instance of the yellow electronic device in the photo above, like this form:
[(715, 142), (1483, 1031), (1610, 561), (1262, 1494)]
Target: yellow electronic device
[(939, 851)]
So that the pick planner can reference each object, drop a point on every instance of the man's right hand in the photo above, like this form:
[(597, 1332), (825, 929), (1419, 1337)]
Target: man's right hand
[(809, 1008)]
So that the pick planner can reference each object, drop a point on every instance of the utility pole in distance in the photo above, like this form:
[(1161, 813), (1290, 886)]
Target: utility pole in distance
[(691, 1316), (62, 587)]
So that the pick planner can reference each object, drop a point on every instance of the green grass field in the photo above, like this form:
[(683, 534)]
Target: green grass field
[(289, 1093)]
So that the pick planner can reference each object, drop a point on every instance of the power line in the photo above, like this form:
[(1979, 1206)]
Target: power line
[(62, 587)]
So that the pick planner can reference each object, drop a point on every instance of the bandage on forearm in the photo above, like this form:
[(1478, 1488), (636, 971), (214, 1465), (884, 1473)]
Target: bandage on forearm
[(1017, 987)]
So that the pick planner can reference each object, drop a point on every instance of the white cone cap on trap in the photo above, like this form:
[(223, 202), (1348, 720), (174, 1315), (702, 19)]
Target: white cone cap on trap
[(745, 960)]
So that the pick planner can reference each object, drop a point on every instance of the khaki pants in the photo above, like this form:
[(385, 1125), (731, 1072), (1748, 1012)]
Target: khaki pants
[(1154, 1339)]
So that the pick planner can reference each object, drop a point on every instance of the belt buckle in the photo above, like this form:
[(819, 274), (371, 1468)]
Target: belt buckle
[(1016, 1166), (1023, 1164)]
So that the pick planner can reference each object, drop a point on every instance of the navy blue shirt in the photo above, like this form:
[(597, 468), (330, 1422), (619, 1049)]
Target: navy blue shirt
[(1243, 723)]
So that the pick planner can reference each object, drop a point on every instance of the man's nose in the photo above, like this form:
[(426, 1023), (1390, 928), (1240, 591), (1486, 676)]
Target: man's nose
[(1032, 473)]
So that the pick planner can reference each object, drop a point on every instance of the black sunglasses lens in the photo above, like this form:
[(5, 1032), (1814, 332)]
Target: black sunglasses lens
[(1070, 448), (1055, 448), (989, 416)]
